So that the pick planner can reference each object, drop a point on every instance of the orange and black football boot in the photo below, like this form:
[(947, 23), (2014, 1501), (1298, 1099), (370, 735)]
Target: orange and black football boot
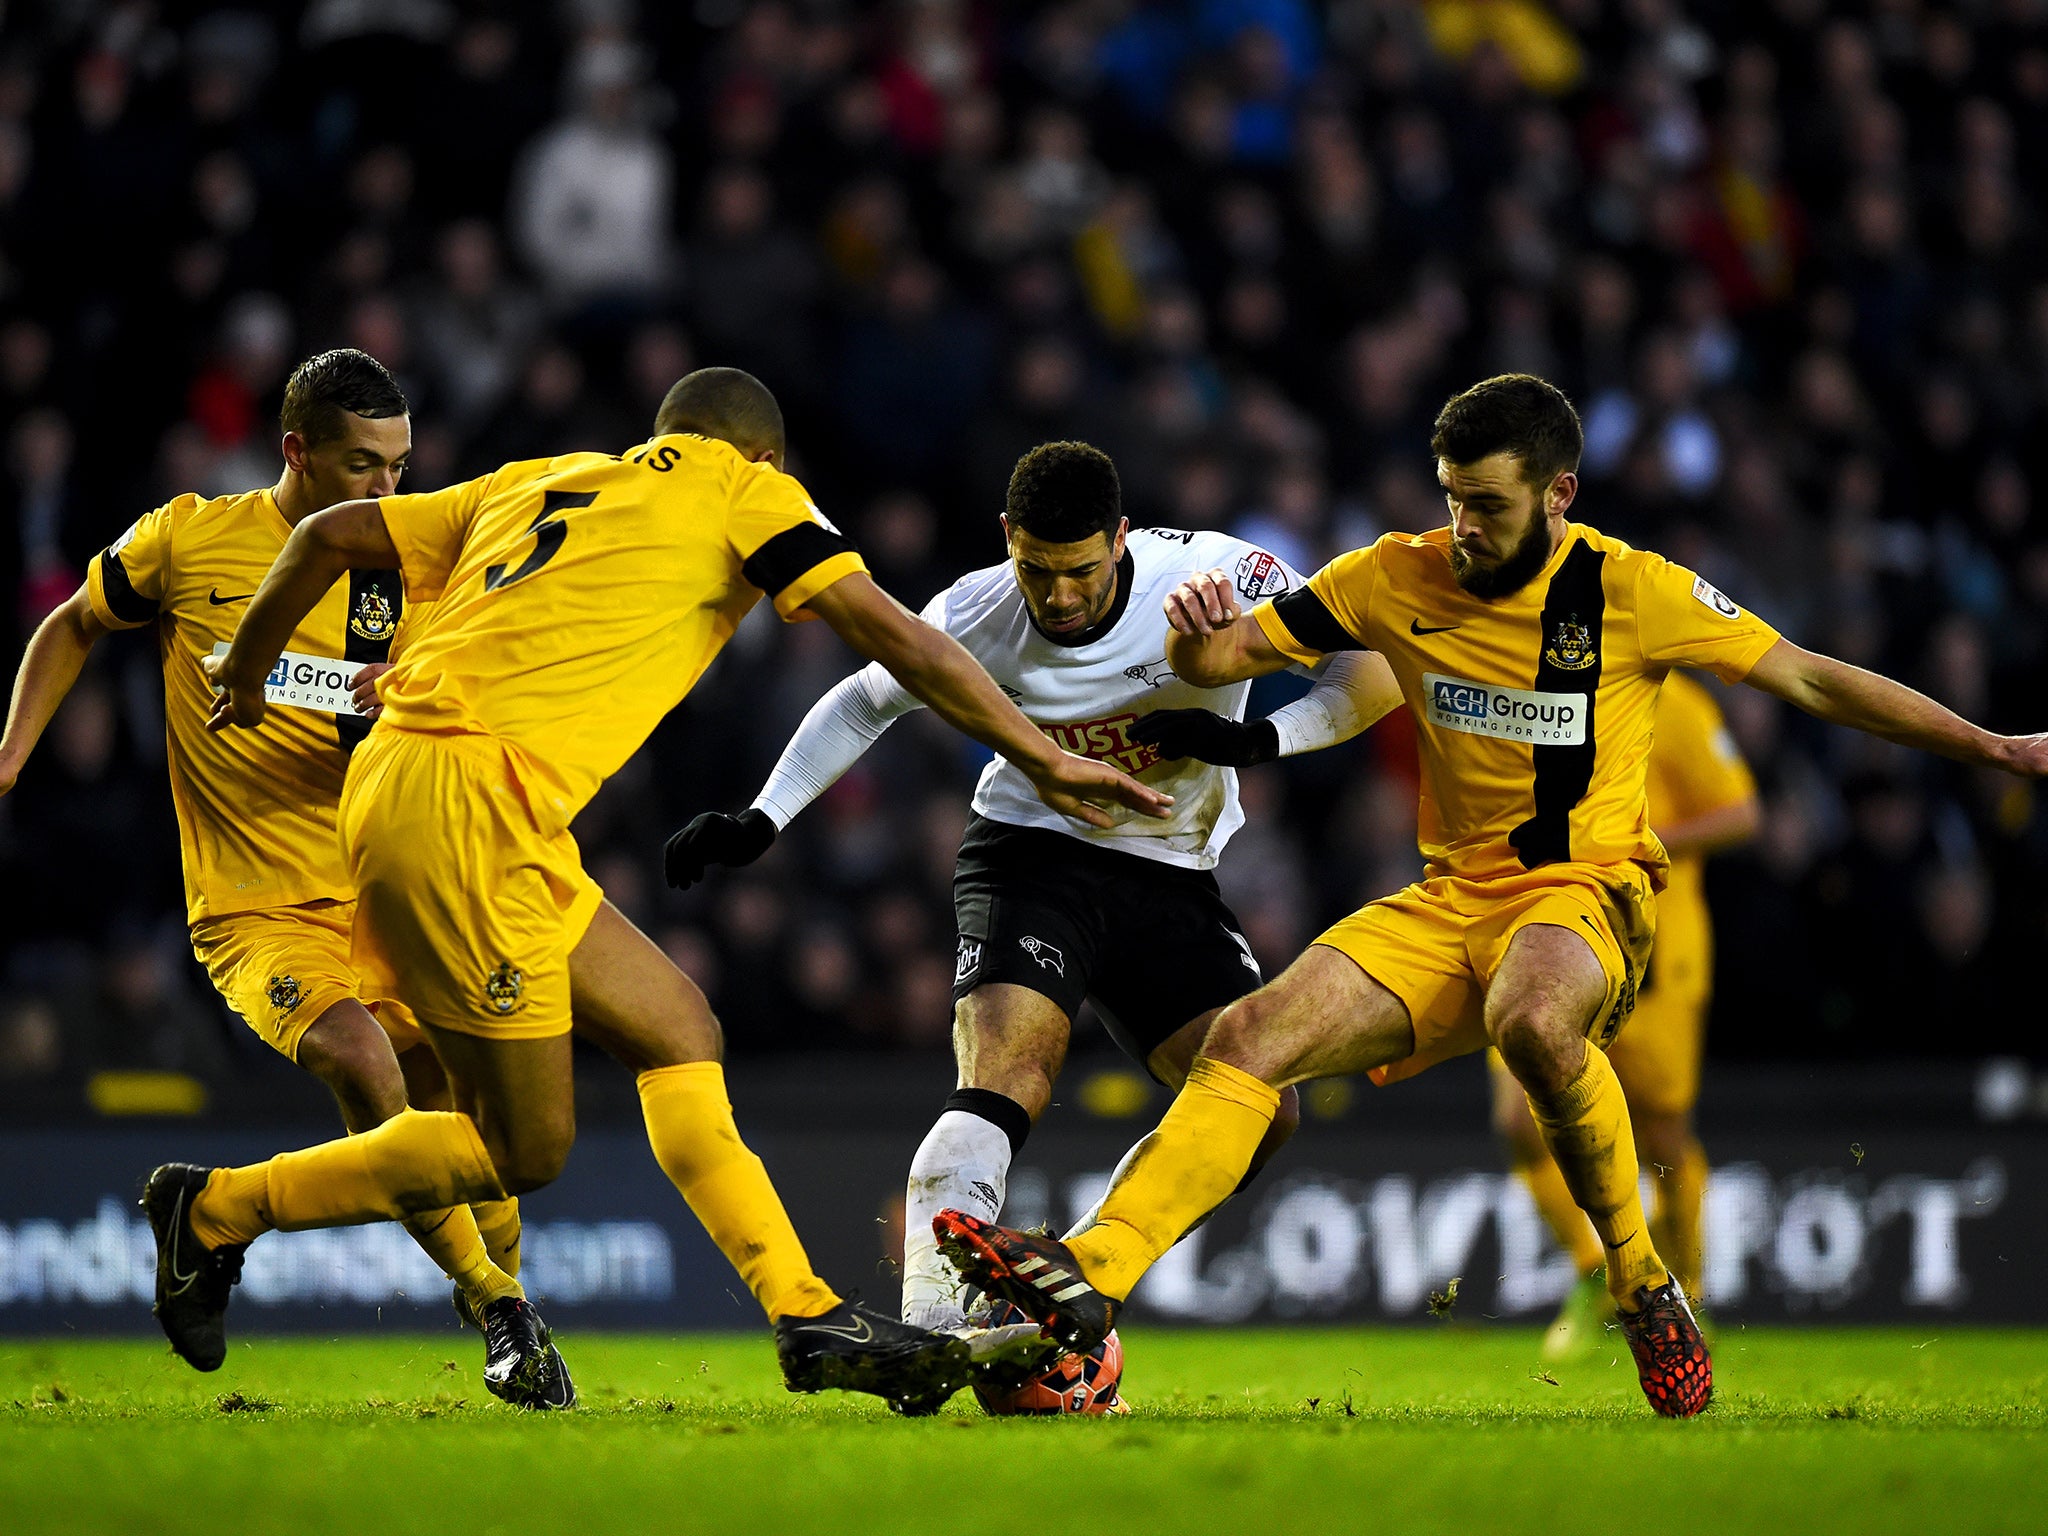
[(1671, 1356), (1037, 1275)]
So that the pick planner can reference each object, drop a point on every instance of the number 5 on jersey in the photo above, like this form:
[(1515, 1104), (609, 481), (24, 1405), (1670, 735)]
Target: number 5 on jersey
[(548, 532)]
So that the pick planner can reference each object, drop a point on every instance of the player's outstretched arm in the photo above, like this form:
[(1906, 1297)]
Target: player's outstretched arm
[(1212, 641), (56, 654), (348, 536), (1351, 691), (938, 669), (1842, 694), (839, 729)]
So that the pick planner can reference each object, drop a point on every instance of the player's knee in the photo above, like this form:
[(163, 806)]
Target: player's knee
[(1243, 1037), (531, 1162), (1543, 1050), (349, 1052)]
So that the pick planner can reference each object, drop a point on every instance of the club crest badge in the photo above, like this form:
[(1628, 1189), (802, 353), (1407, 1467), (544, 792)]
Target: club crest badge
[(504, 987), (1571, 646), (373, 618), (285, 993)]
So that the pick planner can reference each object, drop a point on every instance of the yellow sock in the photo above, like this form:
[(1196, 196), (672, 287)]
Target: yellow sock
[(498, 1221), (451, 1239), (1177, 1175), (690, 1126), (1586, 1128), (418, 1160), (1679, 1224), (1561, 1213)]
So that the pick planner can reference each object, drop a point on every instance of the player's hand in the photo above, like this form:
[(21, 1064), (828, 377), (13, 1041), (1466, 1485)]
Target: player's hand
[(715, 838), (1208, 737), (1085, 790), (231, 706), (362, 690), (2026, 756), (1203, 604)]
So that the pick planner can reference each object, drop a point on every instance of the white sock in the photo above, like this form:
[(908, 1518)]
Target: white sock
[(963, 1164)]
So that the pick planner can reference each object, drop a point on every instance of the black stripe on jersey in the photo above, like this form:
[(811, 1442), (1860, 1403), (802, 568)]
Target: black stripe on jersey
[(1309, 620), (1563, 774), (792, 555), (359, 649), (128, 605)]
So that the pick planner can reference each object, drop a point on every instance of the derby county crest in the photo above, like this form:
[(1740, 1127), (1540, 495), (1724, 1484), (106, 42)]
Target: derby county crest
[(1571, 646)]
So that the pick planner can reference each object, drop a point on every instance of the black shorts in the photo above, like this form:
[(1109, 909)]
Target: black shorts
[(1153, 944)]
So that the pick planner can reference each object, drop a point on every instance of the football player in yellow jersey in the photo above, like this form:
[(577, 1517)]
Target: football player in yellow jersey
[(267, 895), (1702, 798), (1532, 650), (574, 602)]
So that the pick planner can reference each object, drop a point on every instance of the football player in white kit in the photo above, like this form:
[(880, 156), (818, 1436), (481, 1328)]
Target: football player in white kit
[(1052, 911)]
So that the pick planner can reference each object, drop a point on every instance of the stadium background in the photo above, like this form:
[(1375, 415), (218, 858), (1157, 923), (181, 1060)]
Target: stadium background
[(1786, 256)]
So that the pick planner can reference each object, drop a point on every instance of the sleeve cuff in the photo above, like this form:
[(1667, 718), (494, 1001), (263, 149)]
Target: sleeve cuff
[(1282, 638), (820, 576), (121, 608), (1736, 671)]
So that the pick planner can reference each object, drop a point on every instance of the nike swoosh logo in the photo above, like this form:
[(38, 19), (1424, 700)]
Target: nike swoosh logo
[(183, 1277), (1617, 1247), (860, 1333), (218, 601), (1415, 628)]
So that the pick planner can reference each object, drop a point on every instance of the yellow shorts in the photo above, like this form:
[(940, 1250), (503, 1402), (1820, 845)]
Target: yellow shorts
[(1436, 946), (465, 907), (281, 968)]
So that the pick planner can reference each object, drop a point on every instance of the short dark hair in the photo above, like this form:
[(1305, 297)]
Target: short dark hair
[(1515, 413), (1064, 492), (328, 386), (725, 403)]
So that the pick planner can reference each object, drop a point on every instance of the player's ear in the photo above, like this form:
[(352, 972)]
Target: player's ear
[(295, 451), (1564, 490), (1116, 545)]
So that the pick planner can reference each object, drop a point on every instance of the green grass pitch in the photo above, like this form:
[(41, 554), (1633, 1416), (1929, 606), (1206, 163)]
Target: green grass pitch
[(1268, 1431)]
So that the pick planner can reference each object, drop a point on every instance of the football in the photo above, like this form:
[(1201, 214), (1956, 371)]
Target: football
[(1074, 1383)]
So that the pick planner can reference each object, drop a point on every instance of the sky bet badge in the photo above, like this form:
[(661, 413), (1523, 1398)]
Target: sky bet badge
[(308, 682)]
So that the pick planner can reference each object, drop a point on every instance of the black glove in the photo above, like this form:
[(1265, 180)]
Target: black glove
[(1209, 738), (716, 838)]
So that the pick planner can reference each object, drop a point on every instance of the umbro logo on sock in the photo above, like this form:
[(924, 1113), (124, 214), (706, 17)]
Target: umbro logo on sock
[(986, 1194)]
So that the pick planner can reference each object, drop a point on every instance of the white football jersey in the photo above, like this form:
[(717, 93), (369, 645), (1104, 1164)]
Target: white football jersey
[(1087, 696)]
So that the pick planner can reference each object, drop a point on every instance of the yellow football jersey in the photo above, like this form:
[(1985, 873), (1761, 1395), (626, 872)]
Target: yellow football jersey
[(576, 600), (1695, 769), (1534, 711), (255, 808)]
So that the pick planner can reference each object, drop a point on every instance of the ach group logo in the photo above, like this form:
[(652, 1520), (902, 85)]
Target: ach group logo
[(1511, 714)]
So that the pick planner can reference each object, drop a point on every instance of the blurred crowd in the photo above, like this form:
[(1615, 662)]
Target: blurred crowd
[(1786, 255)]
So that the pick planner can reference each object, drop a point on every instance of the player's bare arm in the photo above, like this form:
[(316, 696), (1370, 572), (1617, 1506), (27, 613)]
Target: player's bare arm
[(322, 549), (940, 672), (1842, 694), (1213, 641), (1352, 692), (56, 654)]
